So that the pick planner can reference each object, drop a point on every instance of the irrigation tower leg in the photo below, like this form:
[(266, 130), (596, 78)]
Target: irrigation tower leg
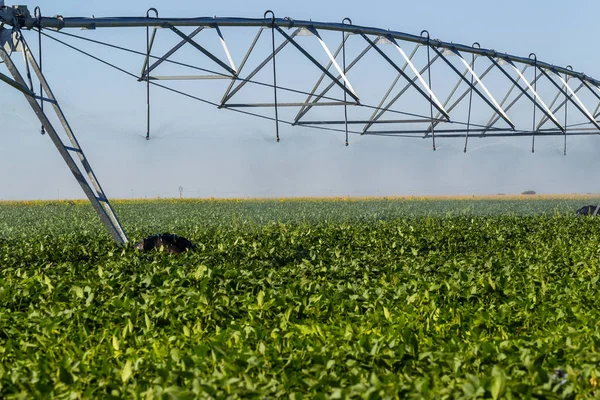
[(94, 191)]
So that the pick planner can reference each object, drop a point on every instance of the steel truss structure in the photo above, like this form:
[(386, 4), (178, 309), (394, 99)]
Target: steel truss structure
[(435, 90)]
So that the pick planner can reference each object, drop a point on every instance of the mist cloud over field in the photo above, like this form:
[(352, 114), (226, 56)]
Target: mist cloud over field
[(223, 158)]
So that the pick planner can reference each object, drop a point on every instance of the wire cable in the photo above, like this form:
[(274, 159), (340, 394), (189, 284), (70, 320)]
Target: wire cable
[(265, 84), (187, 94), (205, 101)]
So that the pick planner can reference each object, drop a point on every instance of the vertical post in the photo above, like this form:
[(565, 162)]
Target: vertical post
[(534, 101), (470, 98), (430, 88), (566, 116), (148, 84), (345, 94), (37, 13), (274, 71), (148, 73)]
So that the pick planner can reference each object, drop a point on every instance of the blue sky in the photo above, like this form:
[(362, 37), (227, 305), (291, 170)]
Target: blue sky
[(221, 154)]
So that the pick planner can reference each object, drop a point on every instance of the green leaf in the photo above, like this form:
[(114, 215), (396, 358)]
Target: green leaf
[(386, 313), (126, 372), (498, 385), (65, 376), (115, 343), (78, 291), (260, 299), (200, 272)]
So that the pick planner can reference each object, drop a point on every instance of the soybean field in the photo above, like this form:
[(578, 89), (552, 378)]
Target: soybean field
[(302, 298)]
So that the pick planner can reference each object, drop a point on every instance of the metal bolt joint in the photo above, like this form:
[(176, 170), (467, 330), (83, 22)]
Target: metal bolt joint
[(16, 16)]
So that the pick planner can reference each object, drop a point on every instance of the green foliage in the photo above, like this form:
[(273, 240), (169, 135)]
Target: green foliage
[(362, 299)]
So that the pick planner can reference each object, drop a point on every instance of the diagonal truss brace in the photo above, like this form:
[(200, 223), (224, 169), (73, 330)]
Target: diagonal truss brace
[(554, 104), (207, 53), (535, 99), (419, 76), (346, 88), (316, 100), (231, 92), (379, 111), (23, 89), (495, 117), (571, 94), (451, 95), (335, 64), (166, 55), (320, 80), (411, 81), (242, 64), (94, 193), (594, 92), (489, 100)]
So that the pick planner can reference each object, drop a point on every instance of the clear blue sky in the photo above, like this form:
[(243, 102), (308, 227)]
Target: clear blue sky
[(221, 154)]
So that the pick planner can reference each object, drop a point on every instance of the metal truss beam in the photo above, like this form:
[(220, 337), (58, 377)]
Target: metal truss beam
[(258, 105), (361, 122), (187, 77), (463, 133), (7, 17)]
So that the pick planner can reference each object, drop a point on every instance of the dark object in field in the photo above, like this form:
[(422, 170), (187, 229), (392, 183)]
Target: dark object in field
[(171, 243), (586, 210), (560, 375), (529, 192)]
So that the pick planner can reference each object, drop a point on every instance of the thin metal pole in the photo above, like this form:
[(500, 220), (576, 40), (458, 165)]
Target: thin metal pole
[(345, 94), (148, 73), (38, 16), (274, 72), (470, 100), (534, 101), (147, 85), (566, 116), (430, 88)]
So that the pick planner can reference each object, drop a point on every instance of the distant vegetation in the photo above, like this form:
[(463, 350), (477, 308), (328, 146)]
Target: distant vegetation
[(529, 192)]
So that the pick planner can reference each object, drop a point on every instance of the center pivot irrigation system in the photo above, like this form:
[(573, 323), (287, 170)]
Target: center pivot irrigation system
[(374, 82)]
